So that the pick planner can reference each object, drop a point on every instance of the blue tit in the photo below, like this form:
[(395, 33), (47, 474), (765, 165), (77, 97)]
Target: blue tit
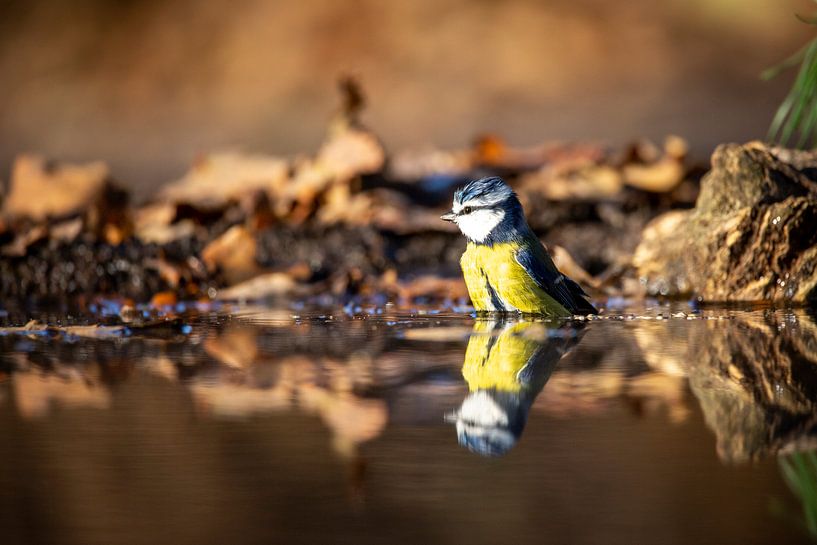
[(506, 267), (506, 366)]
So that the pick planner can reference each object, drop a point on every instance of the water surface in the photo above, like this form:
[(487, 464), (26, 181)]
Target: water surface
[(377, 425)]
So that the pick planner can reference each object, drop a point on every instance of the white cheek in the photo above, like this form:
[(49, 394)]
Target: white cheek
[(478, 225), (481, 409)]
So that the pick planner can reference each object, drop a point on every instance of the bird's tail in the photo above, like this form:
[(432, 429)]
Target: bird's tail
[(581, 305)]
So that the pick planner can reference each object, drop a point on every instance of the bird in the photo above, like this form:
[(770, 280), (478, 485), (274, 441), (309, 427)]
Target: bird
[(506, 267), (506, 365)]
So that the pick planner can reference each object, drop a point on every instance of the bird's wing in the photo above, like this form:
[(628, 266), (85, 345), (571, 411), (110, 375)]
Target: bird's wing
[(565, 291)]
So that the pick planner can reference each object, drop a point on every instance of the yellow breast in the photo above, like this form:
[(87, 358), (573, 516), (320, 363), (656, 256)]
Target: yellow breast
[(495, 362), (497, 282)]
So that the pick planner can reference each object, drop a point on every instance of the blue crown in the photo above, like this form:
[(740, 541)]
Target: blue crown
[(492, 188)]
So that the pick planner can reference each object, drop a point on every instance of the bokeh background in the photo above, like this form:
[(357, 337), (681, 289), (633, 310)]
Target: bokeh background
[(147, 85)]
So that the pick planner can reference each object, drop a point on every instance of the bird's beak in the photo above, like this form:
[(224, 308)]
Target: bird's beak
[(448, 216)]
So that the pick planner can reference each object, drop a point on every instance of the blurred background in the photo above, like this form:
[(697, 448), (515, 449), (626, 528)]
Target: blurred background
[(147, 85)]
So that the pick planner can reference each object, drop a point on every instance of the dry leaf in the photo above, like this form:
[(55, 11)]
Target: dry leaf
[(40, 190), (233, 253)]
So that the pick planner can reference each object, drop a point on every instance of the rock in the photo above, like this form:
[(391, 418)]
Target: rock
[(752, 235), (659, 258)]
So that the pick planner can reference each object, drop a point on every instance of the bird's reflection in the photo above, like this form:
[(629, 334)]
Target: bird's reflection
[(506, 366)]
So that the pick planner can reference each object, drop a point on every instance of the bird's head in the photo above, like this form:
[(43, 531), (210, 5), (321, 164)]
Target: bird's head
[(482, 206), (490, 422)]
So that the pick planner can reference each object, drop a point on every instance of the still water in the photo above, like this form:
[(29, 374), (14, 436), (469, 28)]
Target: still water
[(257, 425)]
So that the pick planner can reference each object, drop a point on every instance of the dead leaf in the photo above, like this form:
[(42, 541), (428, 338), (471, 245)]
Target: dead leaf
[(264, 285), (568, 266), (40, 190), (351, 153), (219, 178), (432, 287), (66, 231), (659, 177), (233, 253), (582, 181), (22, 241), (163, 299)]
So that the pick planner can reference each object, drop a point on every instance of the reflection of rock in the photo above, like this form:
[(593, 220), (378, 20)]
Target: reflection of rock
[(751, 235), (754, 376), (504, 375), (756, 380)]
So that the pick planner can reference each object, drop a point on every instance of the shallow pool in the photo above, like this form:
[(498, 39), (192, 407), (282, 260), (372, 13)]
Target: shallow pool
[(382, 425)]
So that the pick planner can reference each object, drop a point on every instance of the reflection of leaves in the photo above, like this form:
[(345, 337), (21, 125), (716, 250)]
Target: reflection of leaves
[(799, 471)]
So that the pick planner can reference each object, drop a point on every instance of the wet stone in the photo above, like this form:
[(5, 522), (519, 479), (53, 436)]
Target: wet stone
[(751, 235)]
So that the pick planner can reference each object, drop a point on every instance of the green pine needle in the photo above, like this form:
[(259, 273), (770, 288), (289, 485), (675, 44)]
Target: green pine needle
[(796, 118), (799, 471)]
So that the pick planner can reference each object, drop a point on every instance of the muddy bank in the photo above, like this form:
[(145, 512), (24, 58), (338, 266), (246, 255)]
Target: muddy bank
[(354, 220), (349, 220)]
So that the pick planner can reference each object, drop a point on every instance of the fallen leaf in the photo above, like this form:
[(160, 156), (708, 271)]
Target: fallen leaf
[(219, 178), (40, 190), (263, 285), (233, 253), (163, 299)]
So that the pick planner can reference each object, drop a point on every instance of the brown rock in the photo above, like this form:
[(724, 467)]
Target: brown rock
[(659, 258), (752, 235)]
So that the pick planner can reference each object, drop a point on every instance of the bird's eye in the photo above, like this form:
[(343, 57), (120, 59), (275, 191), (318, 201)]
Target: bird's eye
[(467, 210)]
